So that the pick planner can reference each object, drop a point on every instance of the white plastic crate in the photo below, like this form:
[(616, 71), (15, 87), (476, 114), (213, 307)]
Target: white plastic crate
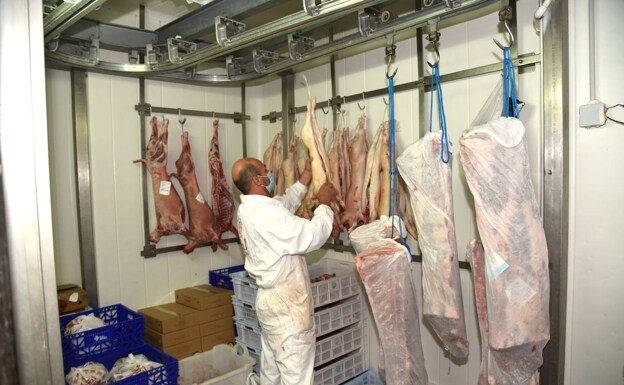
[(342, 370), (345, 284), (249, 334), (336, 317), (222, 365), (340, 344), (368, 378), (244, 311)]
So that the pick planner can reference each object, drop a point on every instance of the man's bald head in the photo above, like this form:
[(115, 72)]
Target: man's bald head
[(243, 171)]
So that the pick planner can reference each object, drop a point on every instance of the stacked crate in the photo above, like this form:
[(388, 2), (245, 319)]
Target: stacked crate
[(200, 318), (339, 317)]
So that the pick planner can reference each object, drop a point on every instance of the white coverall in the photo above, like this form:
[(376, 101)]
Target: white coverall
[(275, 240)]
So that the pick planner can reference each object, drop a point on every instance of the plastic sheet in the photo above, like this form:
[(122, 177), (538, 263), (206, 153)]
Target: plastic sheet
[(90, 373), (495, 159), (431, 197), (378, 229), (387, 277)]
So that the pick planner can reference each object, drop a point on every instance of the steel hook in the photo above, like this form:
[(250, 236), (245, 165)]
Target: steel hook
[(388, 70), (505, 15), (324, 111), (362, 108), (384, 100), (180, 119)]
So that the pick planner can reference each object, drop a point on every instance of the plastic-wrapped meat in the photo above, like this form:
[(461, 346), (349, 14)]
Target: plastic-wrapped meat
[(429, 182), (387, 277), (169, 207), (222, 197), (495, 160)]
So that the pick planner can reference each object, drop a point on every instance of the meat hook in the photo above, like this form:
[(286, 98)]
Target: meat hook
[(504, 15), (362, 108), (324, 111), (180, 120)]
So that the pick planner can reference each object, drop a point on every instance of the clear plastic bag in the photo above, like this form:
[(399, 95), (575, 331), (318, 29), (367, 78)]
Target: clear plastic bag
[(493, 107), (378, 229), (82, 323), (90, 373), (129, 366)]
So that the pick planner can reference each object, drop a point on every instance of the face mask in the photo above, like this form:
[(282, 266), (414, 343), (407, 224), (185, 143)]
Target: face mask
[(271, 184)]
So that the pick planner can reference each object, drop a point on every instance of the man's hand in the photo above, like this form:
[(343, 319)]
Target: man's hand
[(306, 176), (326, 194)]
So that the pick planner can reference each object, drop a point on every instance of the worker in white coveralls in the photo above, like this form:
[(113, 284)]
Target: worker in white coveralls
[(275, 241)]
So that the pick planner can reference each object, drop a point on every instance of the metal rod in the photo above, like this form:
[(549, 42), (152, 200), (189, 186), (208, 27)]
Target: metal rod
[(151, 251), (86, 237), (522, 61), (207, 114), (244, 121), (288, 100)]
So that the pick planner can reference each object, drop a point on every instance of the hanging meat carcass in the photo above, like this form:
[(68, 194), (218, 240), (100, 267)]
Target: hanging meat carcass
[(273, 161), (429, 182), (201, 217), (372, 184), (290, 171), (384, 269), (222, 197), (353, 214), (169, 207), (495, 160)]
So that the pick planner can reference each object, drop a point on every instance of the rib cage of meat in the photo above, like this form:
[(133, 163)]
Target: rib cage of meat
[(167, 203), (495, 160), (222, 197), (201, 217), (429, 182), (387, 277)]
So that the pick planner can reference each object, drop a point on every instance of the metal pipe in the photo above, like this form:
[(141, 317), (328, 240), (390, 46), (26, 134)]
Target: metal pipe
[(592, 50)]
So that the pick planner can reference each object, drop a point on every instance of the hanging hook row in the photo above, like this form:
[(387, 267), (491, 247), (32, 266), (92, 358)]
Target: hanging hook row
[(505, 15)]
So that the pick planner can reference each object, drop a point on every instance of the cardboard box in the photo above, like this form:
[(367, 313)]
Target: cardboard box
[(71, 298), (222, 337), (216, 326), (203, 297), (183, 350), (169, 317), (161, 341), (216, 313)]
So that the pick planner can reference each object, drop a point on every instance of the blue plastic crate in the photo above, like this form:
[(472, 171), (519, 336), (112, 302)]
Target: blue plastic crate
[(123, 330), (221, 277), (366, 378), (167, 374)]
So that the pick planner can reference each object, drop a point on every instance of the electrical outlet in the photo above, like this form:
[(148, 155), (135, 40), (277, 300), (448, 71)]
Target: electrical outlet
[(592, 114)]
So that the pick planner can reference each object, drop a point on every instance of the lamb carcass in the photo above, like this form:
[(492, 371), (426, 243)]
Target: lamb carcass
[(495, 160), (353, 214), (289, 165), (167, 202), (222, 197), (372, 184), (201, 217), (429, 182), (273, 162), (385, 271)]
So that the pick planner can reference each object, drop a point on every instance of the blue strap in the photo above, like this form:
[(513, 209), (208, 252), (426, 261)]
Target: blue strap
[(509, 85), (436, 85)]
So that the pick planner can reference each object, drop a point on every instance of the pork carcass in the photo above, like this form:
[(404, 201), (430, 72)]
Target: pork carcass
[(333, 158), (429, 182), (495, 160), (169, 207), (344, 163), (289, 165), (372, 183), (353, 214), (201, 217), (475, 255), (385, 271), (273, 162), (222, 197)]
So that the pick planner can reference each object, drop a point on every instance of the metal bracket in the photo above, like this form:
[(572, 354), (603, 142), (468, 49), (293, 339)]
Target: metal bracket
[(91, 50), (505, 14), (144, 108), (298, 45), (310, 7), (190, 72), (453, 3), (149, 251), (273, 116), (370, 18), (177, 47), (153, 54), (263, 58), (232, 66), (133, 56), (223, 25), (238, 117)]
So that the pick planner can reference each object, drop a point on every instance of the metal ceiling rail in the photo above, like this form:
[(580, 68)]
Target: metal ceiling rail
[(327, 12), (65, 15)]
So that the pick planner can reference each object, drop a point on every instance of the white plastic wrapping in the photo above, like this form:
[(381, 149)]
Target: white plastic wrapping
[(82, 323), (90, 373), (129, 366), (431, 197), (385, 271), (495, 159), (378, 229)]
